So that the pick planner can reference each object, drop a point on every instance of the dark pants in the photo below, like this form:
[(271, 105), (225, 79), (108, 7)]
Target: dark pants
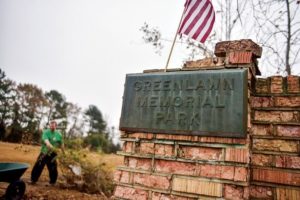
[(50, 161)]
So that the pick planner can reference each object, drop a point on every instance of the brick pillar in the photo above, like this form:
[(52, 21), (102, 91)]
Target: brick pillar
[(275, 161), (185, 167)]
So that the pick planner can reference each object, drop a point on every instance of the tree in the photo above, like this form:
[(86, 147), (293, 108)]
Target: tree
[(229, 12), (97, 136), (103, 142), (57, 109), (112, 147), (153, 36), (75, 121), (15, 130), (30, 109), (95, 120), (25, 109), (278, 31), (273, 24), (7, 98)]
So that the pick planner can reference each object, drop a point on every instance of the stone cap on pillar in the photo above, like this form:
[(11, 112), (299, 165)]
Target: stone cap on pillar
[(222, 49), (230, 54), (239, 52)]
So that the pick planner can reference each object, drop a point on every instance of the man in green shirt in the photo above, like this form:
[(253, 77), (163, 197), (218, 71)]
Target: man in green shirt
[(51, 141)]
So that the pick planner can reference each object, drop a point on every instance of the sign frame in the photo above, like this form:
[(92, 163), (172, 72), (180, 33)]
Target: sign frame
[(202, 103)]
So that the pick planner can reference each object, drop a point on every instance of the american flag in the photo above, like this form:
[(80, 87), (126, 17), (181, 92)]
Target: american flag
[(198, 19)]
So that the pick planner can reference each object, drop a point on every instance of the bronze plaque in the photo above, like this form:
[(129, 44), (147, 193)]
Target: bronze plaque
[(206, 103)]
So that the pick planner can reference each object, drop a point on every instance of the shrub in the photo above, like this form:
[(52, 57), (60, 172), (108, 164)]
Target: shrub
[(100, 142), (96, 142), (86, 176), (76, 143)]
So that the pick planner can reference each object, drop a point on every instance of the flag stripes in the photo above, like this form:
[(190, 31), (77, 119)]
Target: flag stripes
[(198, 19)]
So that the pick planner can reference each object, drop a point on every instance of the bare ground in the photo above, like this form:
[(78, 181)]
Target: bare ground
[(10, 152)]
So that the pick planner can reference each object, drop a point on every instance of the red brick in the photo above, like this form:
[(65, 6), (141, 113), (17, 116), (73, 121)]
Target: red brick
[(194, 138), (262, 86), (237, 155), (288, 131), (246, 45), (164, 150), (239, 141), (240, 57), (174, 137), (217, 171), (130, 193), (121, 176), (276, 116), (261, 129), (287, 194), (216, 140), (128, 147), (262, 160), (227, 172), (211, 171), (233, 192), (146, 148), (276, 176), (201, 153), (117, 175), (287, 161), (153, 181), (249, 118), (140, 163), (174, 167), (221, 140), (261, 192), (246, 193), (293, 84), (287, 101), (125, 176), (159, 196), (201, 63), (261, 102), (196, 186), (240, 174), (276, 84), (275, 145), (148, 136)]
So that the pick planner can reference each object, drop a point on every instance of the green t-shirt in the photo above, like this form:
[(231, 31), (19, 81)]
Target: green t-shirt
[(54, 138)]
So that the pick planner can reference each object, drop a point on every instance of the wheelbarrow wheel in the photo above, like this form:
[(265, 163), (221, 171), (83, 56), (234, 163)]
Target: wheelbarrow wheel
[(15, 190)]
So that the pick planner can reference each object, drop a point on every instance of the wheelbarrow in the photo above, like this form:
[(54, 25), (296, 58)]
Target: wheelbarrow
[(11, 173)]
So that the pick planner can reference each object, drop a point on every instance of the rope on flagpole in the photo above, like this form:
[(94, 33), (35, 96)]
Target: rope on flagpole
[(174, 41)]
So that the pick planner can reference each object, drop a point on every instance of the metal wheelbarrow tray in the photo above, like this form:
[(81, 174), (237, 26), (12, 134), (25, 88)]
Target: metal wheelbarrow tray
[(11, 173)]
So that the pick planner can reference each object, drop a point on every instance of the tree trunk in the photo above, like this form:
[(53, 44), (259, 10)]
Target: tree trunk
[(288, 40)]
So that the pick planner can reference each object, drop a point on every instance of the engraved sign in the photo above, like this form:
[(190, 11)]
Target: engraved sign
[(206, 103)]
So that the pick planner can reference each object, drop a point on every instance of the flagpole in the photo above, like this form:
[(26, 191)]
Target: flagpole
[(174, 41)]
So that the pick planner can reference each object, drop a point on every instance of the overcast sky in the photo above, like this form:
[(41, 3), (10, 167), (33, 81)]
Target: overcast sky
[(84, 48)]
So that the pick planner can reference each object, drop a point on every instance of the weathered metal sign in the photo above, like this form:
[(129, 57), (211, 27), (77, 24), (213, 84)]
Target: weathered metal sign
[(207, 103)]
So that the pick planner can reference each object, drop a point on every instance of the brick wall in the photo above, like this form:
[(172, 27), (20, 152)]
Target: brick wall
[(158, 166), (275, 160), (264, 165)]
